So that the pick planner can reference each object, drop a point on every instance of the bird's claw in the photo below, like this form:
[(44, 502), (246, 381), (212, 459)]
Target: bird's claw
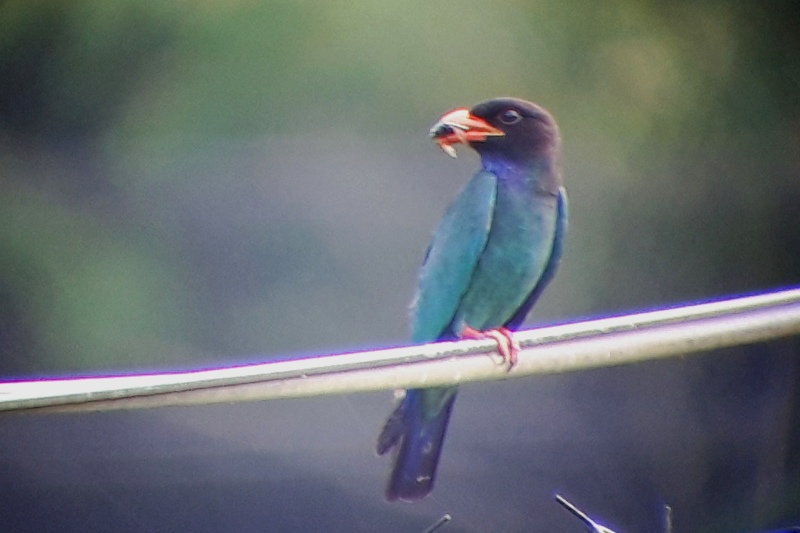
[(507, 347)]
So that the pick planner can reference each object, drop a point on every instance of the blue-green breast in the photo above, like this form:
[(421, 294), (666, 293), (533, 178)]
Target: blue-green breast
[(516, 253)]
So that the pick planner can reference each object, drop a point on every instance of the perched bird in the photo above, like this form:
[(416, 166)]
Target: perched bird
[(493, 253)]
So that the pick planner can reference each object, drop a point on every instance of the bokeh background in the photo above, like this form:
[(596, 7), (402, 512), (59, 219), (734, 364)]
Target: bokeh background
[(186, 184)]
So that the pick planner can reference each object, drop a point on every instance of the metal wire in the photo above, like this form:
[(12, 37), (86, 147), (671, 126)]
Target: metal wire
[(563, 348)]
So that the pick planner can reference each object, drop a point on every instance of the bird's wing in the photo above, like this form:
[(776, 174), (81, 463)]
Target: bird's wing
[(452, 257), (552, 262)]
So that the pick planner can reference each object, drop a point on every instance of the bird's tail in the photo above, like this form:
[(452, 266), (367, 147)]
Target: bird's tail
[(419, 424)]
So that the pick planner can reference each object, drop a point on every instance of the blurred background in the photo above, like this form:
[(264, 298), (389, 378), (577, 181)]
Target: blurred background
[(188, 184)]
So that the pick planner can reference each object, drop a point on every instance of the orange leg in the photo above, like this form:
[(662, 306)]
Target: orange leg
[(506, 345)]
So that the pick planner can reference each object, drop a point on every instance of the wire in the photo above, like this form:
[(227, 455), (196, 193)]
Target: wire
[(568, 347)]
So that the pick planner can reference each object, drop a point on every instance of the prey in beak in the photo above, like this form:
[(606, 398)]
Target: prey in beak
[(461, 126)]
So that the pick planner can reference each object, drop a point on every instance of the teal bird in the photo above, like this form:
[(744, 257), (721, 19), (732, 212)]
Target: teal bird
[(495, 250)]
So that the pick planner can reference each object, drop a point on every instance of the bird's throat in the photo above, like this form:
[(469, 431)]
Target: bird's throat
[(539, 177)]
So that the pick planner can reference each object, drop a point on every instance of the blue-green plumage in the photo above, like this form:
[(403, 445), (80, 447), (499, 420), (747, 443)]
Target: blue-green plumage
[(495, 249)]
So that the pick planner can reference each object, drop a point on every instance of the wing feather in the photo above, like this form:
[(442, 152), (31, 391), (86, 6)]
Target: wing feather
[(552, 263), (452, 258)]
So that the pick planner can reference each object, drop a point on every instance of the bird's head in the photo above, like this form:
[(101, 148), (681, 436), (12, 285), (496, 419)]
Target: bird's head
[(508, 129)]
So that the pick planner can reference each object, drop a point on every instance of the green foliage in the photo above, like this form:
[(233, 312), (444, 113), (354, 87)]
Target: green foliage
[(87, 296)]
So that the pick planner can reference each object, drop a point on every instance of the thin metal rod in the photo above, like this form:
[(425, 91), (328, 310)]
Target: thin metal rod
[(589, 344)]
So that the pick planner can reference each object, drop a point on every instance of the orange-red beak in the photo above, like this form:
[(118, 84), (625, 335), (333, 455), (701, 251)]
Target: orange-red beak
[(461, 126)]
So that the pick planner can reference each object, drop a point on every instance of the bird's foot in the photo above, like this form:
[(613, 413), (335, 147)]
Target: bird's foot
[(506, 345)]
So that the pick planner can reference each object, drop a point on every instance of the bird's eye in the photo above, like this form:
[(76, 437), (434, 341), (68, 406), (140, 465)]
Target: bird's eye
[(510, 116)]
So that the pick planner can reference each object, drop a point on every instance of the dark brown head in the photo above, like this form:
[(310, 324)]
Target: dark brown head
[(508, 129)]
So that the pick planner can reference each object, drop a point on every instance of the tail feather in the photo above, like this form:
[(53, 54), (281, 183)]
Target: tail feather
[(419, 424)]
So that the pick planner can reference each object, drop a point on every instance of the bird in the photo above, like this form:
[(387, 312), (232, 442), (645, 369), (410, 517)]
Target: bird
[(496, 248)]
